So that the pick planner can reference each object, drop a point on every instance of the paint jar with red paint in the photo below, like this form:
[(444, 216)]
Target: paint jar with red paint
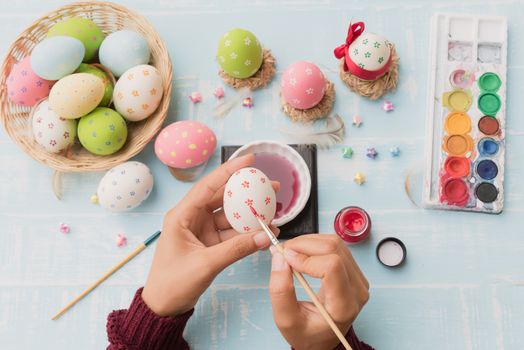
[(352, 224)]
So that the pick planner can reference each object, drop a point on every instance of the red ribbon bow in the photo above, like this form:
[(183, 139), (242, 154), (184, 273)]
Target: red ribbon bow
[(354, 32)]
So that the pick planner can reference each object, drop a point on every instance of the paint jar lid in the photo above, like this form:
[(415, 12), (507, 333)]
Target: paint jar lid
[(352, 224), (487, 146), (489, 103), (489, 82), (391, 252), (458, 123), (486, 192), (457, 166), (487, 169), (488, 125)]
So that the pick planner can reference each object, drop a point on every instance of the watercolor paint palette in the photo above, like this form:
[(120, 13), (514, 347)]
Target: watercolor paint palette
[(465, 137)]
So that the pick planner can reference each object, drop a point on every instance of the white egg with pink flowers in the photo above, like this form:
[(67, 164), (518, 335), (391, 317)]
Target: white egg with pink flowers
[(246, 188)]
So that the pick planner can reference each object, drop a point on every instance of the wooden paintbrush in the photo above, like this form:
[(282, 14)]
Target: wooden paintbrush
[(114, 269), (304, 284)]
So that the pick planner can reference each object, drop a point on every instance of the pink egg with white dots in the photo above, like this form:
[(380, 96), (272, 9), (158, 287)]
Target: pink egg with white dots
[(303, 85), (24, 87), (185, 144)]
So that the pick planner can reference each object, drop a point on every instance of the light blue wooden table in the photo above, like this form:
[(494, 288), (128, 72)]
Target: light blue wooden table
[(462, 286)]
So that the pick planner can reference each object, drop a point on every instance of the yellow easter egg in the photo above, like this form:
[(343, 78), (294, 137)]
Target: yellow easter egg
[(76, 95)]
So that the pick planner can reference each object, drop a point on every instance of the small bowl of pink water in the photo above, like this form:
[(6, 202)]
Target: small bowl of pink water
[(282, 163)]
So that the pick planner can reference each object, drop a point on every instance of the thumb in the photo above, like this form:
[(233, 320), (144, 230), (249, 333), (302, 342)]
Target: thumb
[(286, 310), (235, 248)]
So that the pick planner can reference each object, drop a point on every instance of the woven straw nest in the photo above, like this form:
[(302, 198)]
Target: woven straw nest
[(261, 78), (110, 18)]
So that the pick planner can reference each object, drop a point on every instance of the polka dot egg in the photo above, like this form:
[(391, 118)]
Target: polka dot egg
[(125, 186), (303, 85), (138, 92), (103, 131), (24, 87), (239, 53), (50, 131), (185, 144)]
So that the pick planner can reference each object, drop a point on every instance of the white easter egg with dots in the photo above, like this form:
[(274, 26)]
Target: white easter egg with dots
[(370, 51), (125, 186), (249, 187), (138, 92), (50, 130)]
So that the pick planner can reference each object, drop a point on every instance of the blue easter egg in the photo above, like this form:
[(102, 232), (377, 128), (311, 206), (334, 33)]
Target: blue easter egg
[(56, 57), (123, 50)]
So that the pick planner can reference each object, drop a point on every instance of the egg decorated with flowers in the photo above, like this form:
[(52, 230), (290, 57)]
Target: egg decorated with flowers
[(249, 188), (369, 56), (125, 186), (239, 53), (303, 85)]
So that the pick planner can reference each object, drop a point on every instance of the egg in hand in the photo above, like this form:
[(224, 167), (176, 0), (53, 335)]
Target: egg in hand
[(246, 188)]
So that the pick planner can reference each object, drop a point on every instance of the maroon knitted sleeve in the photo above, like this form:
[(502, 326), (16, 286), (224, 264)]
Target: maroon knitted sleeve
[(139, 328), (352, 339), (354, 342)]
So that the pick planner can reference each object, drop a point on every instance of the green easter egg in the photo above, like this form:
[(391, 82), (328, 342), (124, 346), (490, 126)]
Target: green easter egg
[(82, 29), (239, 53), (103, 131), (108, 84)]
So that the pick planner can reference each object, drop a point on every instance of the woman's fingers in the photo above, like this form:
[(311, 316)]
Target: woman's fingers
[(230, 233), (286, 309), (221, 222), (338, 294), (322, 244), (234, 246)]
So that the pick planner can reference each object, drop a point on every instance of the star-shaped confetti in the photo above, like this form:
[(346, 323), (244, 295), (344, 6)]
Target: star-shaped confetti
[(395, 151), (247, 102), (64, 228), (387, 106), (219, 92), (347, 152), (357, 120), (195, 97), (359, 178), (120, 240), (371, 153)]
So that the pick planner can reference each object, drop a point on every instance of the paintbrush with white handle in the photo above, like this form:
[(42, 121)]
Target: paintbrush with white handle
[(304, 284)]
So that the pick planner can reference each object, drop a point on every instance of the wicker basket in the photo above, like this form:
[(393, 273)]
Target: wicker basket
[(109, 17)]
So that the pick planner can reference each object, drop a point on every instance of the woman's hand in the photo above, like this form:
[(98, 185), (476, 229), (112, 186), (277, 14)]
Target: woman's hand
[(196, 244), (344, 290)]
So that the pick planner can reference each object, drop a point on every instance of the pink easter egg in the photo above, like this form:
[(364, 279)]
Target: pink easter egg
[(303, 85), (24, 87), (185, 144)]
